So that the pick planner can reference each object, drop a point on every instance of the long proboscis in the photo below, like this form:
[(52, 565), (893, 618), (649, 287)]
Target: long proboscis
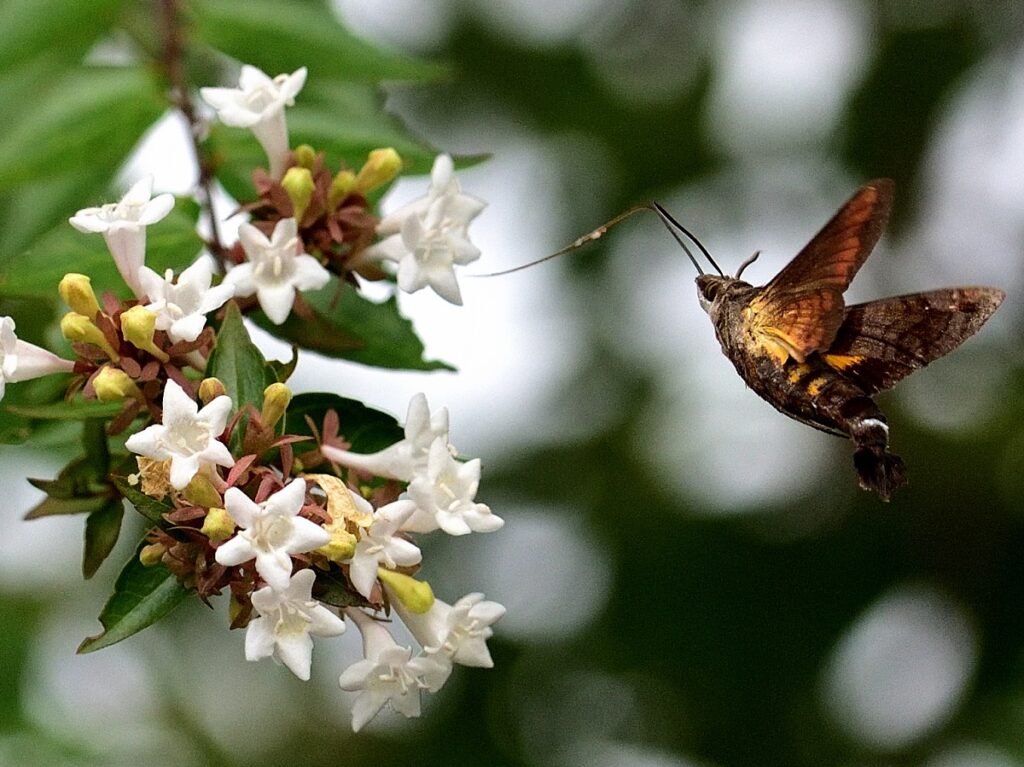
[(670, 223)]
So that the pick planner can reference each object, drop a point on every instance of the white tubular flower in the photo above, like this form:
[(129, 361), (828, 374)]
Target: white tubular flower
[(258, 104), (187, 436), (379, 547), (444, 495), (123, 225), (275, 269), (20, 360), (287, 622), (270, 532), (388, 674), (404, 459), (459, 632), (428, 237), (181, 307)]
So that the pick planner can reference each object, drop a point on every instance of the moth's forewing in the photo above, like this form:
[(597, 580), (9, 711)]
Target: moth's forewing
[(800, 311), (881, 342)]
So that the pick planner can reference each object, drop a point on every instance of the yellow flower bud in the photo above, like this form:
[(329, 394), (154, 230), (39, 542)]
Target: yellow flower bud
[(417, 596), (210, 389), (380, 168), (341, 547), (275, 401), (137, 326), (201, 492), (77, 292), (152, 554), (78, 327), (218, 525), (298, 183), (112, 384), (341, 187), (305, 156)]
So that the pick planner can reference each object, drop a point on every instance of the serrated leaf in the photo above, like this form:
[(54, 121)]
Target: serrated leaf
[(91, 114), (238, 363), (346, 325), (281, 37), (48, 29), (367, 430), (170, 244), (52, 507), (102, 528), (149, 507), (142, 595)]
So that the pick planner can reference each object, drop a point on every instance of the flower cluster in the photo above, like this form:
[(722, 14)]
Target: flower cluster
[(305, 529)]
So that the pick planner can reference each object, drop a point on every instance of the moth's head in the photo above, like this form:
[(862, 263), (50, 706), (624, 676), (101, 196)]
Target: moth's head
[(711, 287)]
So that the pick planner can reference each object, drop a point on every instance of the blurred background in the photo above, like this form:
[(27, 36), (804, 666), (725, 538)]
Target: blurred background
[(691, 578)]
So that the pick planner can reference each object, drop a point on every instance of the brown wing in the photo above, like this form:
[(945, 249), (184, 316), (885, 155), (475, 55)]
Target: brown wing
[(801, 309), (881, 342)]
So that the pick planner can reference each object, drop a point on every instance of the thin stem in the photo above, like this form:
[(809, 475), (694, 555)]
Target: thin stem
[(174, 68)]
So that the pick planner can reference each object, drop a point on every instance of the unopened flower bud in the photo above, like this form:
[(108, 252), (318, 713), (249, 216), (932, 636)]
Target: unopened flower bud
[(341, 187), (417, 596), (275, 401), (137, 326), (112, 384), (380, 168), (305, 156), (79, 328), (77, 292), (152, 554), (201, 492), (210, 389), (298, 183), (341, 548), (218, 525)]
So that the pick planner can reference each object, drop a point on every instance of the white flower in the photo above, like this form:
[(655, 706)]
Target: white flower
[(258, 103), (187, 436), (181, 307), (458, 632), (428, 237), (275, 269), (404, 459), (286, 621), (20, 360), (123, 225), (378, 546), (388, 673), (271, 532), (444, 495)]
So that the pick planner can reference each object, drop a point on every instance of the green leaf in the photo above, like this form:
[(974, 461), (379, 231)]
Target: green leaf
[(48, 29), (281, 37), (52, 507), (170, 244), (142, 596), (149, 507), (238, 363), (101, 530), (75, 410), (91, 117), (346, 325), (367, 430), (332, 590)]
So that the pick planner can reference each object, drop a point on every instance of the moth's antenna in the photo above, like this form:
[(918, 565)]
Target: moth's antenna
[(748, 262), (577, 243), (667, 218)]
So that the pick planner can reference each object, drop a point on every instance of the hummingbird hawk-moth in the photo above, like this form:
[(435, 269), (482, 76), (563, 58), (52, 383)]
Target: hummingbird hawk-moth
[(799, 347), (796, 343)]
